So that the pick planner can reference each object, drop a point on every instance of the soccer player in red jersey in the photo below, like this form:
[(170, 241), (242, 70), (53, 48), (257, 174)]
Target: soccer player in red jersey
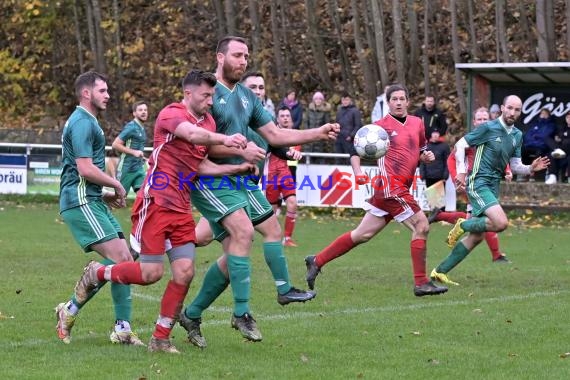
[(162, 209), (392, 198), (480, 116)]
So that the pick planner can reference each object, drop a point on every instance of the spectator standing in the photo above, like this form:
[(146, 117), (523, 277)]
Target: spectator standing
[(290, 101), (561, 155), (433, 117), (494, 112), (319, 114), (348, 116), (436, 170), (381, 108)]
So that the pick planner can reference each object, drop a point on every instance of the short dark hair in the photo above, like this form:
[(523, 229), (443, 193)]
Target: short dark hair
[(396, 87), (87, 79), (283, 108), (345, 94), (137, 104), (225, 41), (251, 74), (196, 77)]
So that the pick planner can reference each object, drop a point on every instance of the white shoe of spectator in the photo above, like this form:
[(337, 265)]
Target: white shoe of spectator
[(550, 179), (558, 153)]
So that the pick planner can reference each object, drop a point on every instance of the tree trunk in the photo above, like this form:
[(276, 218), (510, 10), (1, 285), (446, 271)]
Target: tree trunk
[(255, 32), (472, 32), (399, 42), (455, 48), (275, 31), (413, 62), (221, 18), (345, 66), (550, 34), (372, 54), (502, 48), (119, 49), (379, 38), (78, 36), (567, 30), (90, 31), (230, 12), (316, 44), (99, 40), (427, 84), (285, 27), (369, 82)]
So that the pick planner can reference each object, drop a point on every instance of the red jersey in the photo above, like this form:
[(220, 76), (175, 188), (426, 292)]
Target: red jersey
[(398, 166), (276, 164), (174, 161)]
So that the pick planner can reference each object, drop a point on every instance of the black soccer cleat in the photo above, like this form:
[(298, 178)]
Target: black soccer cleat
[(428, 289), (295, 295), (312, 271)]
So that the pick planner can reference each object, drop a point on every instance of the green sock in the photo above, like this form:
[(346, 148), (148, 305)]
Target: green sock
[(478, 224), (239, 269), (215, 282), (458, 253), (121, 295), (277, 263)]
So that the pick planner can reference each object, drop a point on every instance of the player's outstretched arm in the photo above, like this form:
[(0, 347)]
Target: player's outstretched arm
[(360, 177), (288, 137), (200, 136), (251, 153)]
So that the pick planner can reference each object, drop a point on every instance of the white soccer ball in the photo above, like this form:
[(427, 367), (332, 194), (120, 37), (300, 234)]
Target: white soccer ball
[(371, 141)]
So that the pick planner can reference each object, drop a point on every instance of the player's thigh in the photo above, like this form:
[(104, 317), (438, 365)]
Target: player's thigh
[(91, 223), (481, 198), (150, 227), (400, 207), (259, 208)]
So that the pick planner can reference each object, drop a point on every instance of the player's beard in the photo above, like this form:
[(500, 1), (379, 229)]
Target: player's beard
[(230, 74)]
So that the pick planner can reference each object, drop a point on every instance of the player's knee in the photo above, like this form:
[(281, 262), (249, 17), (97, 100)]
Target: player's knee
[(152, 274), (501, 224)]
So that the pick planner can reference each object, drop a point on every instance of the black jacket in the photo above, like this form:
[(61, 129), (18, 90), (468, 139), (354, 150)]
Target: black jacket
[(438, 168), (349, 119), (434, 120)]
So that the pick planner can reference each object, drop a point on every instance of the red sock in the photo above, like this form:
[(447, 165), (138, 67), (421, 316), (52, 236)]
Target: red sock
[(290, 220), (170, 307), (337, 248), (418, 251), (449, 216), (492, 240), (124, 273)]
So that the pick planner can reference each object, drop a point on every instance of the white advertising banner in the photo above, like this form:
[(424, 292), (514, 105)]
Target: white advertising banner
[(13, 174)]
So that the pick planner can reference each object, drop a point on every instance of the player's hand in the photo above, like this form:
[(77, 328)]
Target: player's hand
[(253, 153), (361, 179), (509, 176), (119, 190), (539, 164), (113, 201), (235, 141), (249, 168), (460, 181), (427, 156), (330, 131), (294, 154), (138, 154)]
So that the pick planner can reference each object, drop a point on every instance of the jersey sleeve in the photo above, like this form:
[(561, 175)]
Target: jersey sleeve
[(171, 121), (518, 146), (452, 164), (82, 137), (422, 133), (479, 135), (259, 116), (126, 132)]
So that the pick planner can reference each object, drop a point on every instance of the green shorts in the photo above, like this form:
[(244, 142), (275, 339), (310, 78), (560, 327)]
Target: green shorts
[(91, 223), (132, 179), (215, 203), (481, 198)]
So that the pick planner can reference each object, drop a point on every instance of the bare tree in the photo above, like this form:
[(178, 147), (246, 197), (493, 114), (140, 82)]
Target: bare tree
[(502, 48), (285, 30), (399, 42), (371, 42), (275, 31), (345, 66), (377, 15), (255, 30), (78, 35), (119, 52), (221, 18), (567, 30), (414, 41), (472, 31), (100, 46), (316, 44), (230, 12), (90, 29), (367, 72), (455, 48), (427, 16)]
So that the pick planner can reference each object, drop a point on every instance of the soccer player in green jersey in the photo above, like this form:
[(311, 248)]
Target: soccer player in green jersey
[(224, 201), (497, 143), (84, 205), (130, 143)]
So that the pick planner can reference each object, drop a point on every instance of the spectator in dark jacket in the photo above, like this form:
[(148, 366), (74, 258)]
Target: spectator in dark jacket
[(350, 120), (434, 119), (437, 169), (539, 139), (290, 101), (319, 113), (560, 157)]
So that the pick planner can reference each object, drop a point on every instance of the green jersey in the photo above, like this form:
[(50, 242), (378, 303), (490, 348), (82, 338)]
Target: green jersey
[(235, 111), (82, 138), (495, 146), (134, 137)]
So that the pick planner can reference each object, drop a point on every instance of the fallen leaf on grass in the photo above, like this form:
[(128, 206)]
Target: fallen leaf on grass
[(565, 355), (433, 361), (416, 333), (477, 310), (304, 358), (513, 355)]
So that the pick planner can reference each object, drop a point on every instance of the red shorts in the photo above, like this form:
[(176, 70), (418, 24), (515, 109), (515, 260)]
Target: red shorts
[(153, 225), (399, 207), (280, 183)]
